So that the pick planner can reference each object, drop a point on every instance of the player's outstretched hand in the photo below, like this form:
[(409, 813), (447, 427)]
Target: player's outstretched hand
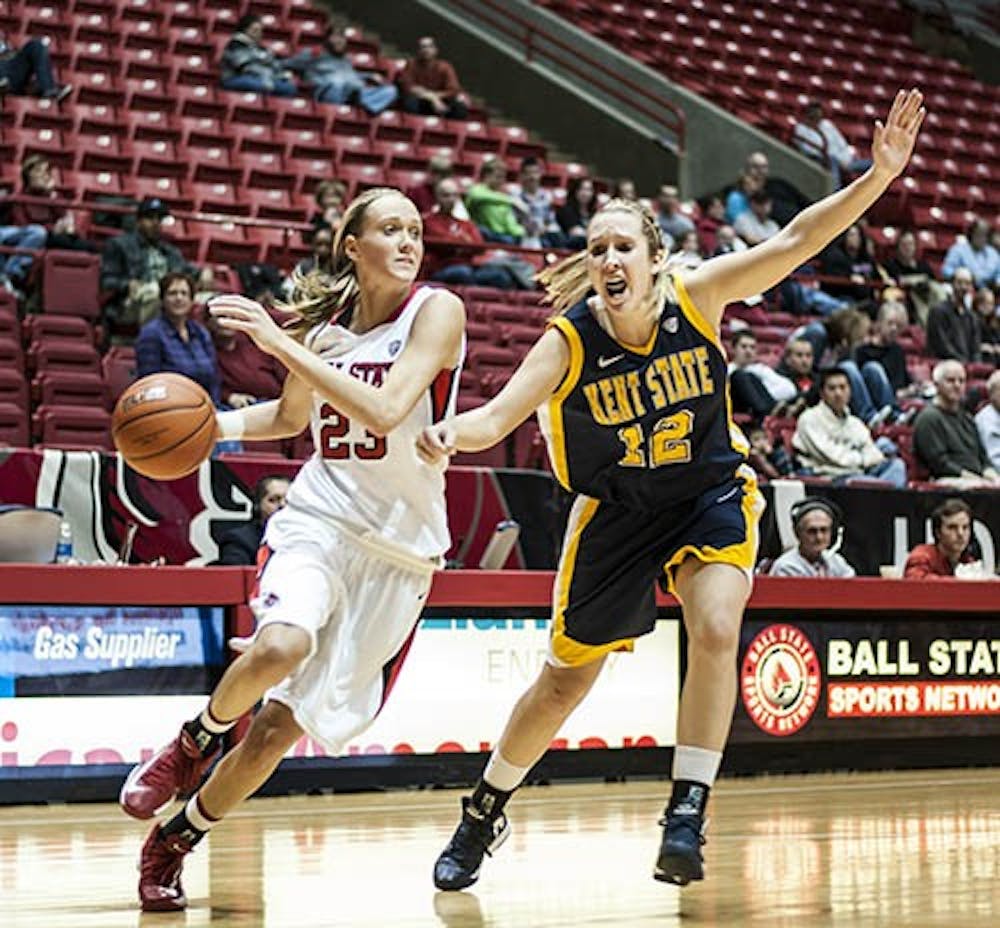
[(435, 442), (244, 315), (893, 142)]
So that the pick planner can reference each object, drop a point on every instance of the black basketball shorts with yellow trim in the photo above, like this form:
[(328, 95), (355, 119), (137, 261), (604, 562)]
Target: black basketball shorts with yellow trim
[(612, 557)]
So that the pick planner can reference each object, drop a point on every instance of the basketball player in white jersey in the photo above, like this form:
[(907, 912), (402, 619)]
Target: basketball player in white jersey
[(345, 566)]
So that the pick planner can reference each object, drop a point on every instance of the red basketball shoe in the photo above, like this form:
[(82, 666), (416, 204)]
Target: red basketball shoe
[(176, 768), (160, 865)]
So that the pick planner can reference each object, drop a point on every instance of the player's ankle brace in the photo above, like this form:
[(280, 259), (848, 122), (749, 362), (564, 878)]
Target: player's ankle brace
[(688, 797), (191, 823), (488, 801)]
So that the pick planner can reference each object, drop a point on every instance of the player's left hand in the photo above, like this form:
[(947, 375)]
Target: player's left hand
[(244, 315), (436, 442), (893, 142)]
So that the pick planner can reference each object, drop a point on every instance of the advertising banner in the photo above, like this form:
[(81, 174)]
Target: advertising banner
[(891, 676)]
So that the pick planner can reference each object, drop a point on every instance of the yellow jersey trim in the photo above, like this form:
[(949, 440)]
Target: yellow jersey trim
[(557, 445), (694, 316)]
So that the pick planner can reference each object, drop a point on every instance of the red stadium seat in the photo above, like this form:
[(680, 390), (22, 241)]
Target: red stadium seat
[(13, 388), (118, 367), (82, 427), (14, 430), (42, 327), (70, 283), (67, 388)]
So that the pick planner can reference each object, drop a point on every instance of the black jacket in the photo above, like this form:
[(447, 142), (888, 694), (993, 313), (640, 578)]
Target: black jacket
[(239, 546), (122, 261)]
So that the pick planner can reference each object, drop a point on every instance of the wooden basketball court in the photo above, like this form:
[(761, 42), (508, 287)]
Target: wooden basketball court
[(889, 849)]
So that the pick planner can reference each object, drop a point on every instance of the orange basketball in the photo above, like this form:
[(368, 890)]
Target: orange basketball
[(164, 426)]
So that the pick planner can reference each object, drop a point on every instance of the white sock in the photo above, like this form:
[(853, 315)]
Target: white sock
[(211, 724), (501, 775), (196, 817), (696, 764)]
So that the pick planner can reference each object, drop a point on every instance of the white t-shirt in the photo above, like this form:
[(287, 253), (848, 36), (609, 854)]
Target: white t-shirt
[(793, 564), (988, 425)]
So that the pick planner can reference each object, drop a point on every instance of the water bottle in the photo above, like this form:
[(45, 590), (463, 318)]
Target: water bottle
[(498, 549), (64, 546)]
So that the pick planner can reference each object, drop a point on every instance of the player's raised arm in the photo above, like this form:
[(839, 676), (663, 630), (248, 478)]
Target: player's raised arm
[(284, 417), (532, 383), (742, 274)]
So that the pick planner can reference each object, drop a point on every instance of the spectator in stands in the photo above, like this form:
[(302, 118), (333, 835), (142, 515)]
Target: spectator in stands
[(713, 218), (787, 201), (249, 65), (951, 523), (988, 422), (880, 361), (687, 252), (37, 180), (953, 327), (14, 268), (755, 225), (574, 215), (974, 252), (538, 214), (915, 275), (429, 84), (239, 546), (852, 258), (767, 459), (329, 195), (726, 241), (133, 264), (246, 374), (756, 388), (821, 140), (672, 222), (321, 259), (798, 365), (32, 60), (490, 208), (812, 521), (624, 189), (835, 337), (334, 79), (450, 265), (174, 342), (945, 438), (833, 443), (738, 199), (984, 305), (438, 168)]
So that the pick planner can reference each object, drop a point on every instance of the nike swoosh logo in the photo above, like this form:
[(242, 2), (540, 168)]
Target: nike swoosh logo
[(728, 495), (607, 362)]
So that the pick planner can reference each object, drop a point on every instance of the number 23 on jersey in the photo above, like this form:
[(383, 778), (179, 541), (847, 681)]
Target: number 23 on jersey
[(333, 433)]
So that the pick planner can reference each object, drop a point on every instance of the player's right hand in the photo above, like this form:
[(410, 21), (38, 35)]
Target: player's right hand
[(436, 442)]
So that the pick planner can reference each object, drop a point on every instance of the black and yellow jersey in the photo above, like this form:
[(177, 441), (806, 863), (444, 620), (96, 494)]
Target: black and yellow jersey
[(646, 426)]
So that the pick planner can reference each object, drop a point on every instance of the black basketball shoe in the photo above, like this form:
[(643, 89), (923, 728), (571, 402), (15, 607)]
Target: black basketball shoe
[(680, 860), (476, 835)]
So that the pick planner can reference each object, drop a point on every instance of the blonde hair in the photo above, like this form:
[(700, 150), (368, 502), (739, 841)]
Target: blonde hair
[(567, 282), (319, 296)]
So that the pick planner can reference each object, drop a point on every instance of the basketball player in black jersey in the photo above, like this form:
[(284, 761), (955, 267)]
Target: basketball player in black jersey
[(630, 385)]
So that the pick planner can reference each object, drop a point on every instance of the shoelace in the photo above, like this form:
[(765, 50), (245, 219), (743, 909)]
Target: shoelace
[(690, 822)]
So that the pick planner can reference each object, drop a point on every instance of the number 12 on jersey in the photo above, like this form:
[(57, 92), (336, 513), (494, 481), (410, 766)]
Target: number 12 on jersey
[(667, 444), (335, 428)]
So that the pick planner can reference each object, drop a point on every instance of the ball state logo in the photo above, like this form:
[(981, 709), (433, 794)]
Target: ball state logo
[(780, 680)]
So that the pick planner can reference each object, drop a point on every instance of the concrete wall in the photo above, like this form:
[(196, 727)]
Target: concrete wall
[(594, 127)]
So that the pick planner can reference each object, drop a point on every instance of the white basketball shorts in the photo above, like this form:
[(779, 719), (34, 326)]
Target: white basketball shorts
[(358, 599)]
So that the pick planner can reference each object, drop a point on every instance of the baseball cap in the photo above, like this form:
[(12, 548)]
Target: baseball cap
[(153, 206)]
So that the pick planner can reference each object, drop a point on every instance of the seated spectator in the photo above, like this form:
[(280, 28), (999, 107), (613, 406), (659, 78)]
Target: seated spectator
[(988, 422), (851, 256), (490, 208), (672, 222), (974, 252), (32, 61), (738, 199), (833, 443), (812, 521), (798, 365), (37, 180), (333, 78), (329, 196), (951, 523), (787, 201), (984, 305), (438, 168), (239, 546), (713, 218), (174, 342), (575, 214), (624, 189), (945, 438), (453, 266), (821, 140), (249, 65), (537, 212), (755, 225), (756, 388), (835, 337), (769, 461), (246, 374), (879, 361), (133, 264), (953, 328), (429, 85), (915, 275), (321, 259), (14, 268), (687, 252), (727, 241)]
